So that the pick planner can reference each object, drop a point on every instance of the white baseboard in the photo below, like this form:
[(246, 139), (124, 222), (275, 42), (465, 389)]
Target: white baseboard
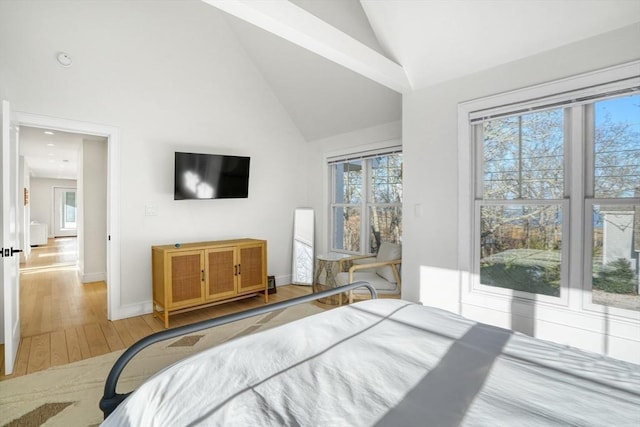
[(132, 310), (140, 309), (286, 280), (283, 280), (93, 277)]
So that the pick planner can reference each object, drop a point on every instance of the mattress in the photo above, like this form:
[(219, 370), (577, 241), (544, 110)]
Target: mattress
[(388, 363)]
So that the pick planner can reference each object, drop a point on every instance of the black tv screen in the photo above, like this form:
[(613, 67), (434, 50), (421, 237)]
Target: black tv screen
[(210, 176)]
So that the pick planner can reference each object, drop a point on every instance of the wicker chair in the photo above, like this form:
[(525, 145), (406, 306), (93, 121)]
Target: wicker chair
[(382, 271)]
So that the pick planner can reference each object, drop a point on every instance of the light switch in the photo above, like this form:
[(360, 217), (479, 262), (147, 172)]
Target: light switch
[(417, 209), (150, 210)]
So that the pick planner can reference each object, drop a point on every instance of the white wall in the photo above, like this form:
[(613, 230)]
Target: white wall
[(430, 251), (41, 199), (170, 76), (93, 197)]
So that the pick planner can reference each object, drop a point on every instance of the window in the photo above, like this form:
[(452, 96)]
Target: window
[(69, 210), (521, 202), (613, 201), (552, 168), (366, 202)]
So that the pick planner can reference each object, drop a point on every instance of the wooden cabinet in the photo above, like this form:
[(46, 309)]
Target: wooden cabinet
[(195, 275)]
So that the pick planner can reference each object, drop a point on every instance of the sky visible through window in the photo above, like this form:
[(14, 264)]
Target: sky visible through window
[(623, 109), (617, 147)]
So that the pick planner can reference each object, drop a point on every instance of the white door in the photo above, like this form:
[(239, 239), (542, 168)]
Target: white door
[(9, 239)]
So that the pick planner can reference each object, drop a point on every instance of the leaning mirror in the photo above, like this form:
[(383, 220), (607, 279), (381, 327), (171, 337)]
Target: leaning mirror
[(303, 228)]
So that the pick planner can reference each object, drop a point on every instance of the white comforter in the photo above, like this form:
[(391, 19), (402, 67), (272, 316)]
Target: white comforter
[(391, 363)]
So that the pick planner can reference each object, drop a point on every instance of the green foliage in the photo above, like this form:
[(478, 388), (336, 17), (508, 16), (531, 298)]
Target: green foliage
[(527, 270), (551, 275), (616, 277)]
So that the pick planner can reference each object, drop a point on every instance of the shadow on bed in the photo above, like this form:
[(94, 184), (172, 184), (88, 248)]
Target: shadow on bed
[(443, 396)]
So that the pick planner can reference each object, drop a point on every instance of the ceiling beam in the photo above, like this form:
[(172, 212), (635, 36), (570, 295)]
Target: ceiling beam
[(300, 27)]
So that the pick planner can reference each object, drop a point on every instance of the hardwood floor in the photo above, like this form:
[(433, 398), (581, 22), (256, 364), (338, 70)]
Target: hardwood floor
[(63, 320)]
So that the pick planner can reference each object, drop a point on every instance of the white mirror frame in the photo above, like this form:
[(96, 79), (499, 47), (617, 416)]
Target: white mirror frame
[(303, 247)]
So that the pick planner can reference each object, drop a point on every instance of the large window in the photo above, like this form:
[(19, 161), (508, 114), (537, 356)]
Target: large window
[(521, 210), (548, 169), (366, 202)]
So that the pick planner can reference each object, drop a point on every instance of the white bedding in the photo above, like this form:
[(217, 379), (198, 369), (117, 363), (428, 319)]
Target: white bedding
[(392, 363)]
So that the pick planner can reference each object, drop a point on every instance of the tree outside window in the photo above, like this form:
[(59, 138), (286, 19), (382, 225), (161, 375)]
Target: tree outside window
[(366, 203), (521, 199)]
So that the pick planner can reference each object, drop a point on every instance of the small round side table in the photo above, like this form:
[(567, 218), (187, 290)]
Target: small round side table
[(325, 277)]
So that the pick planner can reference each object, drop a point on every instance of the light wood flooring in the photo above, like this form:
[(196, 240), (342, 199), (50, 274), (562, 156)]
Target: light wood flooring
[(63, 320)]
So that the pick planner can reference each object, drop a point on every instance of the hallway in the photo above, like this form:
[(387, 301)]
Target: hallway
[(51, 295), (59, 316)]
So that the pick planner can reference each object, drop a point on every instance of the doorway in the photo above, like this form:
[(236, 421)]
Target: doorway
[(111, 214)]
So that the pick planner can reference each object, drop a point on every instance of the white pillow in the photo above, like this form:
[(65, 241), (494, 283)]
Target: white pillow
[(388, 252)]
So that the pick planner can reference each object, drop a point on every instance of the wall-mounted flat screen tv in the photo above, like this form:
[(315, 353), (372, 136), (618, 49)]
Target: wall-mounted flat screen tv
[(210, 176)]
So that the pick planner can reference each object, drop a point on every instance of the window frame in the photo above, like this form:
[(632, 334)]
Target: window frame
[(576, 264), (480, 201), (335, 205), (366, 200)]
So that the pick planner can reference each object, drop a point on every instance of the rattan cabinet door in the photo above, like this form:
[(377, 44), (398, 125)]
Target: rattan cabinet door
[(220, 271), (253, 268), (186, 273)]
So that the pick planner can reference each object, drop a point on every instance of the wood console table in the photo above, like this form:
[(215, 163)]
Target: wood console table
[(195, 275)]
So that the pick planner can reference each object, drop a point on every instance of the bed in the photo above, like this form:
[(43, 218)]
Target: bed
[(386, 362)]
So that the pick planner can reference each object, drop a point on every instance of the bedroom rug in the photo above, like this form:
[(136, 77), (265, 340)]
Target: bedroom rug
[(68, 395)]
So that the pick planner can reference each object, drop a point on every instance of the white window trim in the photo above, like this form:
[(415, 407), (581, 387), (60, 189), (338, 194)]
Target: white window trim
[(589, 83), (359, 206), (363, 152)]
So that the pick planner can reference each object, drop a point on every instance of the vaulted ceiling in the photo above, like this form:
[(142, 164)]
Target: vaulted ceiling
[(342, 65)]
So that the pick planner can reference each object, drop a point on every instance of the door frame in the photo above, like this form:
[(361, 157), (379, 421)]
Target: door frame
[(112, 134)]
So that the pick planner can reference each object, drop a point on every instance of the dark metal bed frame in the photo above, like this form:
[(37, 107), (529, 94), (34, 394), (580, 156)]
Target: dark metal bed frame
[(110, 400)]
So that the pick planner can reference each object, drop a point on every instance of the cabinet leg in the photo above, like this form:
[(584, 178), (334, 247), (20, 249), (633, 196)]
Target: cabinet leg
[(162, 316)]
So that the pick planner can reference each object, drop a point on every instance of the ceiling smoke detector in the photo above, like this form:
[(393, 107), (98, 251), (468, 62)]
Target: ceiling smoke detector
[(64, 59)]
